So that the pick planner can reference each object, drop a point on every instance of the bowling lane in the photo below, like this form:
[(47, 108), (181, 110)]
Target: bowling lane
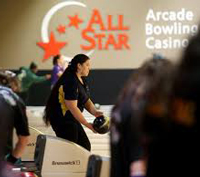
[(100, 143)]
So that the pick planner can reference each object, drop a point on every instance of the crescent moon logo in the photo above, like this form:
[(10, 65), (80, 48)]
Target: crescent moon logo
[(47, 18)]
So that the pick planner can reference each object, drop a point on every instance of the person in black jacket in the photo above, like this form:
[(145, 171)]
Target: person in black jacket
[(12, 115)]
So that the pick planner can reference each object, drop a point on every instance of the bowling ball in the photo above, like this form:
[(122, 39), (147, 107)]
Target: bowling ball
[(28, 174), (101, 124)]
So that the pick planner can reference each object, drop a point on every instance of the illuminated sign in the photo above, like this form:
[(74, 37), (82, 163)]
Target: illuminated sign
[(98, 34), (167, 34), (118, 42)]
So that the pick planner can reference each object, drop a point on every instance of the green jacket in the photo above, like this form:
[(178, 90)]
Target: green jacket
[(28, 78)]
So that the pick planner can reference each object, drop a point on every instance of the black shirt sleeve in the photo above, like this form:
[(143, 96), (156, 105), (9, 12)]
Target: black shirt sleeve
[(20, 119), (70, 88)]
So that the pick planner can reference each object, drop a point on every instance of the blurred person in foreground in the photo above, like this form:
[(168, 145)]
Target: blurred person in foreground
[(177, 153), (12, 115), (147, 89)]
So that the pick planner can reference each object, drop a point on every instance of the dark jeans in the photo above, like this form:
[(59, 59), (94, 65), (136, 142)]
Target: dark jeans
[(73, 131)]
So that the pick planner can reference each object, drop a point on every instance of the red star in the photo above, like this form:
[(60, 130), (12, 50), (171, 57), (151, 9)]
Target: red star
[(52, 47), (74, 21), (61, 29)]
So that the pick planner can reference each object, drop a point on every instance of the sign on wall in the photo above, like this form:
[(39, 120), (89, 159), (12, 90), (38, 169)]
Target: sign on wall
[(116, 34), (110, 34), (171, 25)]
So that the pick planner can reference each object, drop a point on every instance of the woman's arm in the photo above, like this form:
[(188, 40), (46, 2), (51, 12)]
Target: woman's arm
[(20, 146), (89, 106), (72, 106)]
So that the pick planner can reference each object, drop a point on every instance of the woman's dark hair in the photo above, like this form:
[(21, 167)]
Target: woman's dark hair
[(33, 65), (72, 68), (55, 59), (4, 79), (187, 80), (153, 80), (150, 74), (78, 59), (9, 81)]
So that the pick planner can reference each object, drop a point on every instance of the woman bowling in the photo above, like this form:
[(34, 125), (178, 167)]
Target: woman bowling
[(67, 101)]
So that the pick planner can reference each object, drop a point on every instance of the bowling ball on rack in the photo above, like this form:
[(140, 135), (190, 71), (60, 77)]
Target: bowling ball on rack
[(28, 174), (101, 124)]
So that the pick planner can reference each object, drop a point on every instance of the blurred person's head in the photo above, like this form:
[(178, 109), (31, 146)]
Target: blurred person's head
[(160, 73), (3, 79), (58, 60), (152, 79), (187, 85), (33, 67), (9, 80), (15, 84), (147, 93)]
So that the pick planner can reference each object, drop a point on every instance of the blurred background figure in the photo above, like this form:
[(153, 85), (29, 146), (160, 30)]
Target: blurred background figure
[(28, 77), (12, 115), (129, 134), (176, 153), (59, 65), (11, 80)]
